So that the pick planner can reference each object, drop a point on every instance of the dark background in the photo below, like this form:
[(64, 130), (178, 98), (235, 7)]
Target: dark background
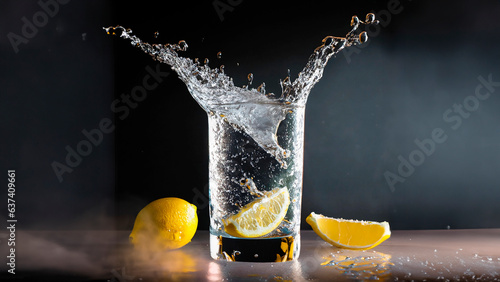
[(368, 109)]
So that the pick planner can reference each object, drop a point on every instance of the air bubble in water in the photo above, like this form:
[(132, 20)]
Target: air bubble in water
[(248, 183)]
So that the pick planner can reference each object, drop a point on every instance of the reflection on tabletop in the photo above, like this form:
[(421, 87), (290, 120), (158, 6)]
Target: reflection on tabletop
[(107, 255)]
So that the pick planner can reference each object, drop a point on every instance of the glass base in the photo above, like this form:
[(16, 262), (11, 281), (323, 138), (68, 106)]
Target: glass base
[(279, 249)]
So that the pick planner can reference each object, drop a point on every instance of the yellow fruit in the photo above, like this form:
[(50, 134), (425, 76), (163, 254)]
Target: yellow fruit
[(350, 234), (259, 217), (167, 223)]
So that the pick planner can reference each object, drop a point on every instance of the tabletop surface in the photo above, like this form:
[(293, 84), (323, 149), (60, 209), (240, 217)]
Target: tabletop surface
[(432, 255)]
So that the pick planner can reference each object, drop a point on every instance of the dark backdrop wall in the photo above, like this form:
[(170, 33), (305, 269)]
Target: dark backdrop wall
[(404, 129)]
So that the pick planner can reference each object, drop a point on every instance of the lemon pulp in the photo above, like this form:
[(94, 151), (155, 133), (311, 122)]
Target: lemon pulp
[(351, 234)]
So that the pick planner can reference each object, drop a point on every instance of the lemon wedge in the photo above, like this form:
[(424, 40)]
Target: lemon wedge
[(350, 234), (259, 217)]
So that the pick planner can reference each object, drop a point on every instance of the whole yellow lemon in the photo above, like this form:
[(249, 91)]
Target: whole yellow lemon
[(167, 223)]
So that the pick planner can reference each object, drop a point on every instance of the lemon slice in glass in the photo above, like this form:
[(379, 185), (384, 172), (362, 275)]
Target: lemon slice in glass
[(259, 217), (350, 234)]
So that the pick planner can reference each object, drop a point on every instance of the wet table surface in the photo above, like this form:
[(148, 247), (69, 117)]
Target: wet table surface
[(435, 255)]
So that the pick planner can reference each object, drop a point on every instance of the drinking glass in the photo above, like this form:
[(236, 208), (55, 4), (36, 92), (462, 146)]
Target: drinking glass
[(242, 172)]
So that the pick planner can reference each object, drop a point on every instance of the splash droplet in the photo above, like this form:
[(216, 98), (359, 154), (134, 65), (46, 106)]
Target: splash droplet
[(156, 34), (183, 45), (354, 21), (211, 89), (363, 37), (219, 55), (370, 18), (327, 41), (262, 88), (250, 78)]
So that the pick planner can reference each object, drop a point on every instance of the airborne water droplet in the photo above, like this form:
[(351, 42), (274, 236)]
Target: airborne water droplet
[(156, 34), (219, 55), (363, 37), (250, 78), (182, 45), (329, 40), (370, 18), (354, 20), (206, 61), (211, 90)]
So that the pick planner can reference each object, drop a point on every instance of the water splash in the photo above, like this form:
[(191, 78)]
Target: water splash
[(249, 109)]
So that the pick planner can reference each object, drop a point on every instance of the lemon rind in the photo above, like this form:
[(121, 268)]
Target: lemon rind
[(232, 227), (312, 220)]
